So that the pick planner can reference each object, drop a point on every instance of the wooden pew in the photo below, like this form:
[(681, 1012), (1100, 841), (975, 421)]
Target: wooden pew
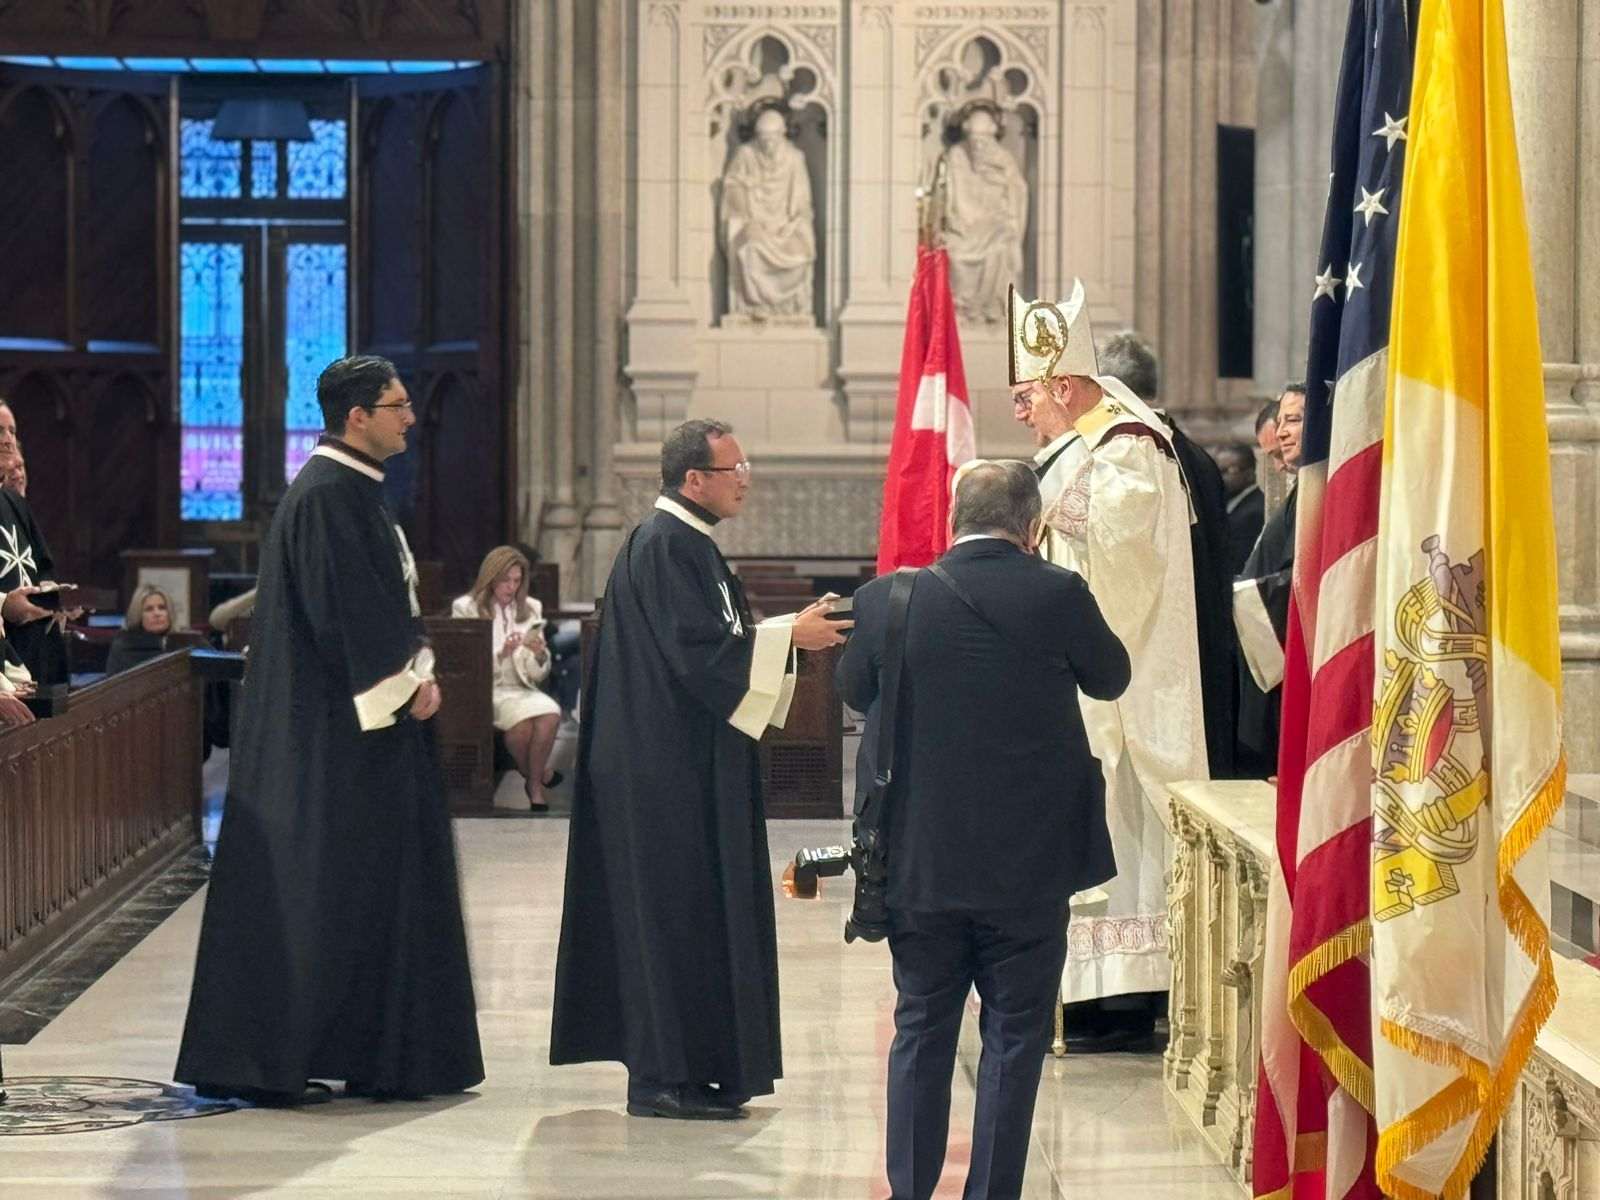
[(93, 803), (802, 764), (464, 729)]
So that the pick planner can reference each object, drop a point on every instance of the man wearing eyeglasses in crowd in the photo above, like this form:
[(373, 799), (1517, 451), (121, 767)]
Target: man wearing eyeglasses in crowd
[(669, 957)]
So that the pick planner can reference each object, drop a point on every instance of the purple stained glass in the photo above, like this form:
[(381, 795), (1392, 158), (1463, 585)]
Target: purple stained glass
[(210, 170), (317, 169), (314, 335), (211, 370)]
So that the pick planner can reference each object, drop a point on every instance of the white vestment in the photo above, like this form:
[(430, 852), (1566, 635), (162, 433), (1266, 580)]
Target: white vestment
[(1117, 513)]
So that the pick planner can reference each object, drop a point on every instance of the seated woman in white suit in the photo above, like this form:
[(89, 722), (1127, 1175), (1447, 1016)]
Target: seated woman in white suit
[(526, 715)]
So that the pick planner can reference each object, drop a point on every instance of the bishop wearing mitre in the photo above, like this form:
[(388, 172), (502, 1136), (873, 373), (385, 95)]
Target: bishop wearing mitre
[(1116, 511)]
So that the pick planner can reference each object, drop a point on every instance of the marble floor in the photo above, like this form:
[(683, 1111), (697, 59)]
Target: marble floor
[(1104, 1126)]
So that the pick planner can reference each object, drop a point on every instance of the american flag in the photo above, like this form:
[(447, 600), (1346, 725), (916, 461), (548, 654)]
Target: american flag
[(1317, 1027)]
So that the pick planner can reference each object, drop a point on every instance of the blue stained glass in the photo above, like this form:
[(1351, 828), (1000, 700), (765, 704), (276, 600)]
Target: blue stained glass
[(211, 169), (29, 60), (223, 64), (211, 370), (263, 170), (419, 66), (157, 64), (89, 63), (356, 66), (314, 335), (291, 66), (317, 167)]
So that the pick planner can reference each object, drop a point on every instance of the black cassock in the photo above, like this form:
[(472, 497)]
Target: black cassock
[(1261, 615), (669, 960), (333, 945), (1213, 599), (25, 560)]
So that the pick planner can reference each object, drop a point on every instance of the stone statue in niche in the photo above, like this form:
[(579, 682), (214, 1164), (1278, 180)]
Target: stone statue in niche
[(985, 216), (766, 225)]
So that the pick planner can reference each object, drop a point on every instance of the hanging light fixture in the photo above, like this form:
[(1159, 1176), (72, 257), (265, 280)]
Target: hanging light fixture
[(262, 118)]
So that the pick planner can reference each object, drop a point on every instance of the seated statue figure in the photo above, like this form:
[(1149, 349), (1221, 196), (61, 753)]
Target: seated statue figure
[(985, 217), (766, 224)]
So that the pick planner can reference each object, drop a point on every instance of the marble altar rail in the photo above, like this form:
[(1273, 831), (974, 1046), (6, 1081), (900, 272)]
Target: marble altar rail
[(1216, 905)]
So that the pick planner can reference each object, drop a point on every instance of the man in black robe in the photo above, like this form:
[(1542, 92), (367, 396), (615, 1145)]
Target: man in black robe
[(1261, 610), (333, 945), (25, 564), (669, 960), (1131, 359)]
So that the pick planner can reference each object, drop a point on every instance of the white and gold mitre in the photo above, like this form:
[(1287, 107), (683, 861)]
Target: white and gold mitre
[(1050, 340)]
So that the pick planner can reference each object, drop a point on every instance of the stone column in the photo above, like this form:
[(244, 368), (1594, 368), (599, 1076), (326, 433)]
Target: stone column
[(872, 320), (1300, 46), (602, 523), (661, 323), (1554, 51)]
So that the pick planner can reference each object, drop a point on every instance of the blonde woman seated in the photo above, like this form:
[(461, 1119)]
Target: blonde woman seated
[(144, 630), (525, 715)]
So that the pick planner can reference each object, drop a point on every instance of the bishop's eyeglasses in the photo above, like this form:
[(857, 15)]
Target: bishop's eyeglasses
[(740, 469)]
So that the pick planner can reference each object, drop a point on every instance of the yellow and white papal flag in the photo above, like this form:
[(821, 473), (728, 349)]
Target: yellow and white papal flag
[(1466, 730)]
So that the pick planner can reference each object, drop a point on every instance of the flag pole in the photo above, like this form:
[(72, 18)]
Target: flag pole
[(931, 200)]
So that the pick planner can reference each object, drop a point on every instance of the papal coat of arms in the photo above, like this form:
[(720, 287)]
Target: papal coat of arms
[(1427, 740)]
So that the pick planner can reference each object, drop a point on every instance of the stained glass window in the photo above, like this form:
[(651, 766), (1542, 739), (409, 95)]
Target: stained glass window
[(263, 170), (314, 335), (211, 170), (317, 167), (211, 383)]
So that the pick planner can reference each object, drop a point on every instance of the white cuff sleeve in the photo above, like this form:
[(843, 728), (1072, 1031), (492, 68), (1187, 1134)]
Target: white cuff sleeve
[(771, 679), (1263, 653), (377, 707)]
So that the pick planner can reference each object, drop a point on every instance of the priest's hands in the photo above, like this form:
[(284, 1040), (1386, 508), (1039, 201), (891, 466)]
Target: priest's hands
[(426, 702), (814, 631)]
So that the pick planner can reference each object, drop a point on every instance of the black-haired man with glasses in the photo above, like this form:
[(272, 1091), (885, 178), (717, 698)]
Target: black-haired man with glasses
[(669, 958), (333, 946)]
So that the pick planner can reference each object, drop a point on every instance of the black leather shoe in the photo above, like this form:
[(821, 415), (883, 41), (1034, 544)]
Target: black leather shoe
[(1127, 1039), (679, 1103), (714, 1094), (314, 1093)]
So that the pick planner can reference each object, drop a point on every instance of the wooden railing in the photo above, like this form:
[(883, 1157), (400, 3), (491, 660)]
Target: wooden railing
[(93, 803)]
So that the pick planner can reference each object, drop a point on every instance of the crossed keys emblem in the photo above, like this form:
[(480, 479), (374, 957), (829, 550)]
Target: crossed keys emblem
[(1427, 738)]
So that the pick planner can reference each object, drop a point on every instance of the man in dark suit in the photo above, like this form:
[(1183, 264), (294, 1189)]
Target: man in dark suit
[(1246, 504), (996, 818)]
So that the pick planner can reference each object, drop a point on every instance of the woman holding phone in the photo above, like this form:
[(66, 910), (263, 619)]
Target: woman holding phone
[(526, 715)]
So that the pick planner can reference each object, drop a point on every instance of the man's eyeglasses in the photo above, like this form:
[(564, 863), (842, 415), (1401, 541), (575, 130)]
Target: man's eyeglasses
[(741, 470), (392, 404)]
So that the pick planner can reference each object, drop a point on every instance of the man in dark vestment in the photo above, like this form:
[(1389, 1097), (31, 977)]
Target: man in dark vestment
[(333, 945), (1131, 359), (1247, 503), (25, 565), (669, 960), (996, 817), (1261, 610)]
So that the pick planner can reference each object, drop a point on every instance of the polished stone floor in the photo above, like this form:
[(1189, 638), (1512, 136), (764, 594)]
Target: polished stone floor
[(1104, 1126)]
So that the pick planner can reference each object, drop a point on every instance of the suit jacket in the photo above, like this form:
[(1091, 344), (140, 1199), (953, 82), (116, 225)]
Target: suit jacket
[(997, 802), (1244, 527)]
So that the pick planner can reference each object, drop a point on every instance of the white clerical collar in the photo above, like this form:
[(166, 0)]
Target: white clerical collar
[(979, 537), (1242, 497), (668, 505), (1044, 455), (355, 464)]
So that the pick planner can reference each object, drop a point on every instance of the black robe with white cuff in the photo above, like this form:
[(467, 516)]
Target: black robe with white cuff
[(25, 561), (669, 960), (333, 945), (1261, 618)]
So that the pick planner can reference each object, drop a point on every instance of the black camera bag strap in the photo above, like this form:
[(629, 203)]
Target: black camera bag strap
[(965, 597), (894, 652)]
